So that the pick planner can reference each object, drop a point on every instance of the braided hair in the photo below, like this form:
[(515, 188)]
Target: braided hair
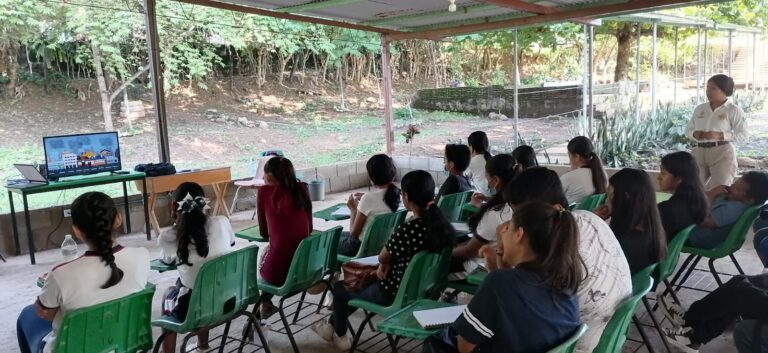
[(191, 222), (94, 215)]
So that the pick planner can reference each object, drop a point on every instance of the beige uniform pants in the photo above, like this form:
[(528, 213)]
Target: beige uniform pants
[(717, 165)]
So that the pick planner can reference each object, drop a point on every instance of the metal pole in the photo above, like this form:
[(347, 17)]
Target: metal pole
[(706, 52), (163, 149), (674, 73), (698, 66), (591, 77), (754, 60), (386, 79), (585, 78), (654, 66), (637, 69), (730, 52), (517, 83)]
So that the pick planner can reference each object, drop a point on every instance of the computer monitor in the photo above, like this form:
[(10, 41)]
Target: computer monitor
[(81, 154)]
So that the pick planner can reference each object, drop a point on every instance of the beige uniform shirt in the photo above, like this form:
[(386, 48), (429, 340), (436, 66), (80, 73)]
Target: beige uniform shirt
[(727, 118)]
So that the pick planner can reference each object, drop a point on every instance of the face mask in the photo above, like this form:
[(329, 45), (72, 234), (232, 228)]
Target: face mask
[(445, 172), (489, 191)]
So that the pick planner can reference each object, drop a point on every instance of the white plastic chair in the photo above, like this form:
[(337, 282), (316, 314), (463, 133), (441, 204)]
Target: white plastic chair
[(255, 183)]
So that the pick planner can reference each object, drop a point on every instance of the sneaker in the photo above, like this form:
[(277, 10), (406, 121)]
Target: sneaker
[(450, 297), (342, 343), (680, 337), (193, 348), (326, 332), (673, 311)]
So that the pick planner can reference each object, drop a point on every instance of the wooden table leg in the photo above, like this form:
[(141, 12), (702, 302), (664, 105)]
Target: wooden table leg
[(219, 206), (223, 198), (152, 215)]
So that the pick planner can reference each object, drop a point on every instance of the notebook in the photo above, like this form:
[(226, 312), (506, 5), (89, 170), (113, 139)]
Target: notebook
[(343, 211), (460, 226), (370, 260), (437, 318)]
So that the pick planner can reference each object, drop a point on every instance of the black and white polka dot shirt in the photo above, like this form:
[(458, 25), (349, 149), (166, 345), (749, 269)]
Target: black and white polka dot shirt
[(408, 240)]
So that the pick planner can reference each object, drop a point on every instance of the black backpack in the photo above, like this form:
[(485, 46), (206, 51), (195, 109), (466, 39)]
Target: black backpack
[(156, 169)]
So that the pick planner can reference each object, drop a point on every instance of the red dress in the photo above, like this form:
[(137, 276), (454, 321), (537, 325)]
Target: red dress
[(285, 224)]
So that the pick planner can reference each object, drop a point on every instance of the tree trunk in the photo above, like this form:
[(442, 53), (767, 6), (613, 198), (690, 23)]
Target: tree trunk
[(12, 65), (624, 36), (106, 107)]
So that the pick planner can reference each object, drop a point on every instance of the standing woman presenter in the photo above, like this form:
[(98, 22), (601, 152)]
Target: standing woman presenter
[(712, 128)]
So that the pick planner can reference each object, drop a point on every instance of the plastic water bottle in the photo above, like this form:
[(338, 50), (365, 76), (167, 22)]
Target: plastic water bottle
[(68, 248)]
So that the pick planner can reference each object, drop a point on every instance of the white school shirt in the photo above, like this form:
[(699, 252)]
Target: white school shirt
[(476, 173), (77, 284), (486, 231), (577, 184), (372, 204), (609, 280), (727, 118), (221, 238)]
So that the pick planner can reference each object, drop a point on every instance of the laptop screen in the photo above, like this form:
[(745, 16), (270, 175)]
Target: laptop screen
[(30, 172)]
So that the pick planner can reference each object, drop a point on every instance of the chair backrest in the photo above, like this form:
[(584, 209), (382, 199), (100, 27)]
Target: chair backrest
[(591, 202), (224, 286), (313, 258), (738, 233), (452, 204), (668, 265), (615, 333), (378, 231), (570, 345), (121, 326), (421, 276)]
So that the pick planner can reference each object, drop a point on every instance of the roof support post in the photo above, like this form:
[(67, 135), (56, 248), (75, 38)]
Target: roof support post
[(517, 83), (386, 81), (674, 72), (754, 60), (729, 62), (698, 66), (584, 81), (158, 90), (591, 65), (706, 52), (638, 104), (654, 67)]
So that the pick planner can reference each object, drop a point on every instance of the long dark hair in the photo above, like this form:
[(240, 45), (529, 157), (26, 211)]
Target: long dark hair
[(283, 173), (634, 208), (525, 156), (478, 141), (382, 171), (191, 221), (535, 184), (94, 214), (691, 190), (582, 146), (724, 83), (419, 186), (553, 236), (503, 167)]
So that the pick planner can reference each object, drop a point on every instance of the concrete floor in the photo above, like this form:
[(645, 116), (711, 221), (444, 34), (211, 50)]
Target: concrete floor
[(18, 288)]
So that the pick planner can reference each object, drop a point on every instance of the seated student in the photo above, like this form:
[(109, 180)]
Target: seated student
[(107, 271), (728, 204), (744, 297), (530, 304), (525, 156), (456, 160), (634, 218), (428, 230), (587, 176), (609, 281), (478, 146), (193, 240), (499, 171), (384, 199), (285, 218), (688, 205)]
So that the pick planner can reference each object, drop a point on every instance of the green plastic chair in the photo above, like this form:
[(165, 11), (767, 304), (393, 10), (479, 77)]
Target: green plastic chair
[(668, 265), (421, 277), (615, 333), (314, 258), (224, 288), (732, 243), (453, 204), (570, 345), (251, 234), (591, 202), (376, 234), (120, 325)]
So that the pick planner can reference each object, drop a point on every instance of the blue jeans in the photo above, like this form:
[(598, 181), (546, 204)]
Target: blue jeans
[(748, 340), (30, 330), (341, 297)]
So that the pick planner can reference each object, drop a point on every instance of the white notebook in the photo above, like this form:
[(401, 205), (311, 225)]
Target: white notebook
[(370, 260), (436, 318), (343, 211), (460, 226)]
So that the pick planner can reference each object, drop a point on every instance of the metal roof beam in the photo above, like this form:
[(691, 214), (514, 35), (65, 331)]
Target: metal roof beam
[(430, 14), (315, 5)]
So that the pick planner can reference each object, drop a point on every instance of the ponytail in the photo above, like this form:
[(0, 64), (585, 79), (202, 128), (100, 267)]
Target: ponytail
[(553, 236), (94, 215), (501, 166), (190, 203), (419, 186), (582, 146), (478, 141), (487, 155), (381, 171)]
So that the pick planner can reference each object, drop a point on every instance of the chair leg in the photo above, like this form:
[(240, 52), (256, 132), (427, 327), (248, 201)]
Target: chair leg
[(656, 324), (256, 193), (255, 320), (298, 307), (224, 337), (688, 273), (679, 273), (234, 200), (287, 325), (159, 342), (736, 263), (392, 343), (714, 272), (355, 341), (322, 297), (646, 341), (185, 341), (672, 292)]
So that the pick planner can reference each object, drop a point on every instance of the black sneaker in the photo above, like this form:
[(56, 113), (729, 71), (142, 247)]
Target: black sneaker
[(680, 337), (674, 312)]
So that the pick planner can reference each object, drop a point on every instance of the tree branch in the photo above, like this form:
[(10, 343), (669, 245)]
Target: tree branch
[(126, 83)]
